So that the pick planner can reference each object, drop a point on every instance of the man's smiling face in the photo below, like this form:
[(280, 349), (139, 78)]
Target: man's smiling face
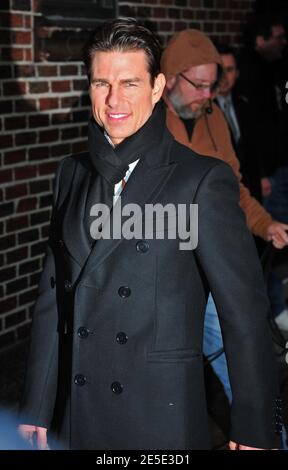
[(122, 96)]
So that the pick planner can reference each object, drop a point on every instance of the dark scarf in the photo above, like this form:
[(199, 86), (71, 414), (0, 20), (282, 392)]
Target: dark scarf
[(111, 163)]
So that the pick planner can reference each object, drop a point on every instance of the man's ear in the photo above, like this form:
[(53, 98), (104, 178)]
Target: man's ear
[(158, 88)]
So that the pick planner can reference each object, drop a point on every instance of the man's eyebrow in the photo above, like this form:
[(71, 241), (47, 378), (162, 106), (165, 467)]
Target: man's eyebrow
[(124, 80), (96, 79), (135, 79)]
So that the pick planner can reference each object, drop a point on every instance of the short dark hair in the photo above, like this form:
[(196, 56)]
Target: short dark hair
[(265, 24), (124, 35), (225, 49), (260, 26)]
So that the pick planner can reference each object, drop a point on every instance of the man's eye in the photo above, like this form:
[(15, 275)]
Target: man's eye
[(130, 84), (100, 84)]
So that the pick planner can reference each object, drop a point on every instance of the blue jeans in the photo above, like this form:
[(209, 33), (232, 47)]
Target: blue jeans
[(212, 343)]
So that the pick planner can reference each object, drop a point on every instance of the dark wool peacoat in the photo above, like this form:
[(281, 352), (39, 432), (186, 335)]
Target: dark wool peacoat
[(116, 347)]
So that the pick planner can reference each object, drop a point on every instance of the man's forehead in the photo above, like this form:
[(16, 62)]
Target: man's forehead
[(202, 71), (118, 65), (132, 58), (228, 58)]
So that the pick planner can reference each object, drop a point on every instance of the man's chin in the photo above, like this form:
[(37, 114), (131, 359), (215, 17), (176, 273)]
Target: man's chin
[(197, 111)]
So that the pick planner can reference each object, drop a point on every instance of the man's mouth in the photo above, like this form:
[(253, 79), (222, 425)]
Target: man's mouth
[(116, 117)]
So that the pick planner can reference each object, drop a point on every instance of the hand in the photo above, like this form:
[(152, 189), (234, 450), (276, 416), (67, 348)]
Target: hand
[(234, 446), (266, 187), (28, 432), (277, 233)]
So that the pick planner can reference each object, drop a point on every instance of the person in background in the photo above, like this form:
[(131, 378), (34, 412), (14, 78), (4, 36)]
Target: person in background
[(193, 70), (235, 107), (262, 82)]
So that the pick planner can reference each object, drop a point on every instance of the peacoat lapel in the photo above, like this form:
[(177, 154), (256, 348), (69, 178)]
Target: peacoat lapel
[(74, 234), (147, 180)]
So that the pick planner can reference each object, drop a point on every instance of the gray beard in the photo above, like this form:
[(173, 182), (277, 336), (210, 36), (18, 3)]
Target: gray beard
[(184, 111)]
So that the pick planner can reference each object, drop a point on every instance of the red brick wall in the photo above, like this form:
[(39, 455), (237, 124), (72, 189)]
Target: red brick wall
[(220, 19), (43, 113)]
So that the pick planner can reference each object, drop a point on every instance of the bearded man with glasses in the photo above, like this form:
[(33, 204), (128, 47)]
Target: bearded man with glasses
[(193, 70)]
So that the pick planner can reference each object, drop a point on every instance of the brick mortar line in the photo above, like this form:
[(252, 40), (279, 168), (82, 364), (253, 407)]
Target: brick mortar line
[(16, 46), (21, 12), (16, 265), (31, 146), (50, 78), (44, 96), (28, 212), (20, 278), (44, 64), (8, 297), (25, 29), (39, 178), (45, 240), (19, 309), (34, 258), (31, 227), (36, 161), (35, 129), (13, 328), (35, 113)]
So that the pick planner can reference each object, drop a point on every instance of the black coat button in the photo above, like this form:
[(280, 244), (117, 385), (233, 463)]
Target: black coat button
[(60, 243), (142, 246), (80, 380), (117, 388), (124, 292), (68, 286), (83, 332), (121, 338), (52, 282)]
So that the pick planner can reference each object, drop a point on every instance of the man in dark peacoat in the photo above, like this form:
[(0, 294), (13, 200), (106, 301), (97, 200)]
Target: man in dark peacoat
[(116, 347)]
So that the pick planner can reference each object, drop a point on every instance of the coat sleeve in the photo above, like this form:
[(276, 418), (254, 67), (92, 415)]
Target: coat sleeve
[(257, 218), (227, 255), (40, 385)]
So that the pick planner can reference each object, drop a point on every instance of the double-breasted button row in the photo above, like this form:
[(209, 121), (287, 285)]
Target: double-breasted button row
[(124, 292), (80, 380), (121, 338), (142, 246), (83, 332), (68, 286), (117, 388)]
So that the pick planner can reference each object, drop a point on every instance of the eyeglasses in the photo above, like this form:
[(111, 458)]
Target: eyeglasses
[(200, 87)]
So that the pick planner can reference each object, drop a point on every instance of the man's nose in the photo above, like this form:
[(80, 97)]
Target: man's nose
[(206, 92), (112, 98)]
